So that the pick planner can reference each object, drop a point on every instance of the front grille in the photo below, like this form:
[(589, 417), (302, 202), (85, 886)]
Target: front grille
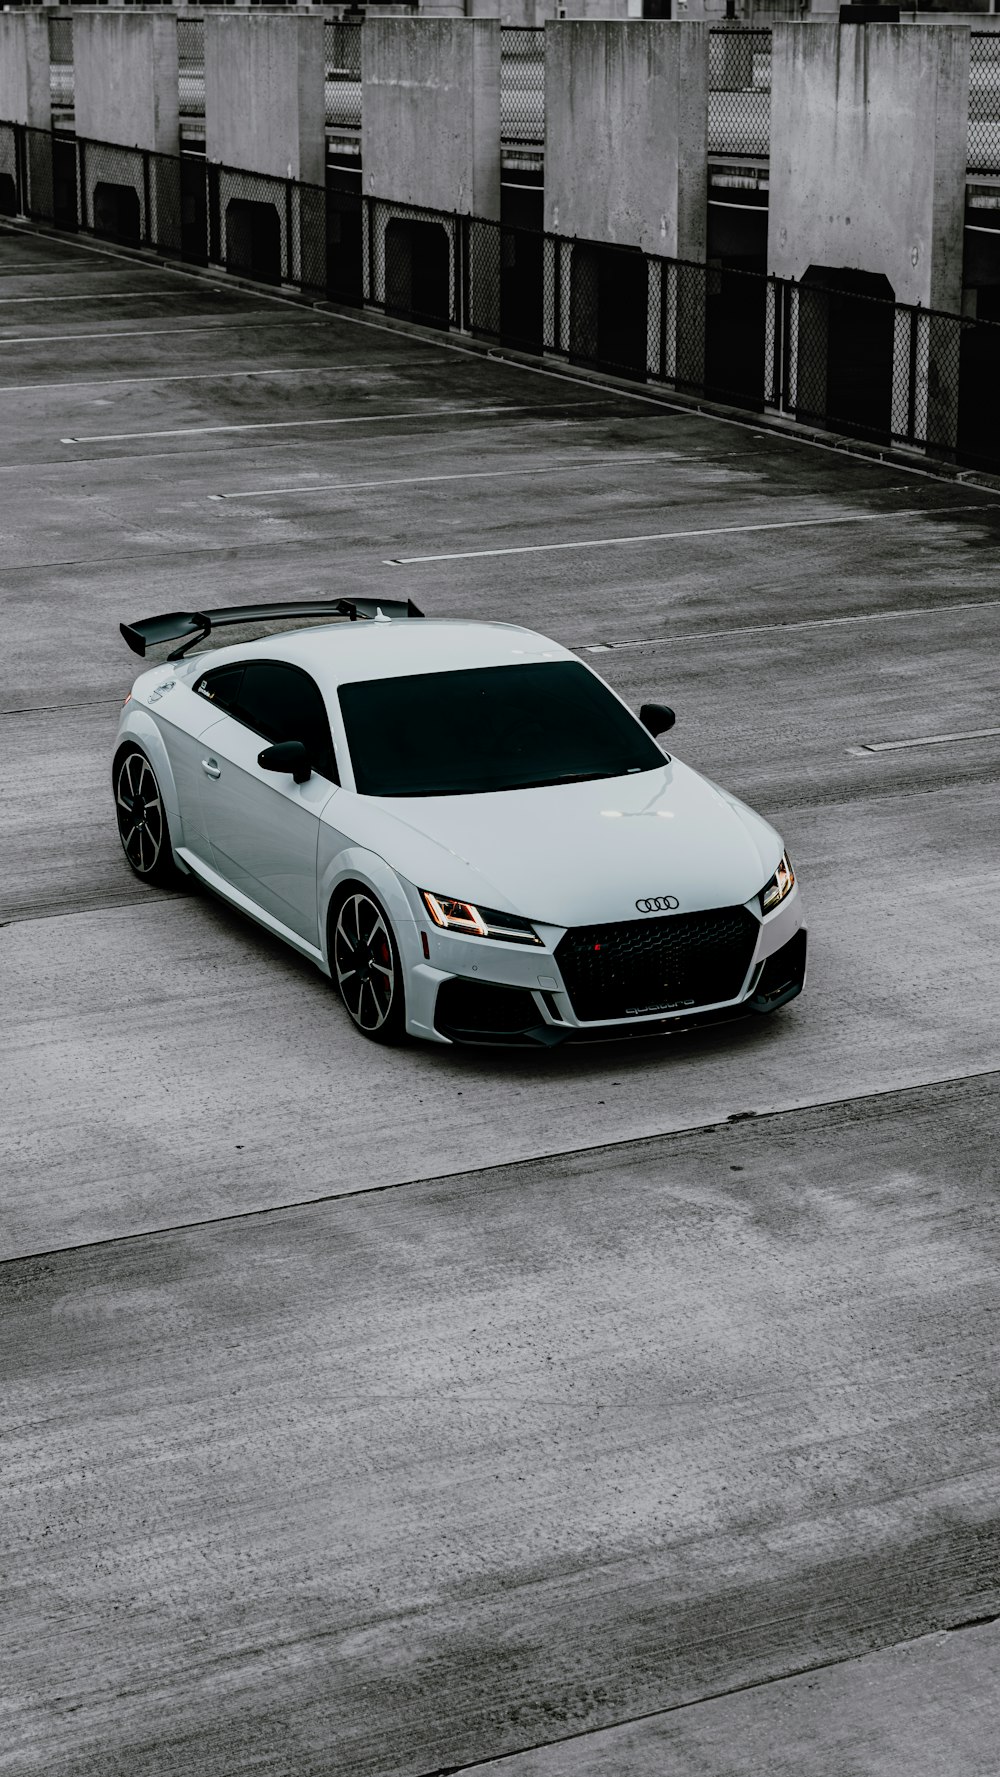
[(643, 966)]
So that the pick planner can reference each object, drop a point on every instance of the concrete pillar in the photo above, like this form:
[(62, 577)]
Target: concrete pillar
[(626, 131), (125, 79), (430, 128), (869, 137), (126, 96), (430, 113), (265, 116), (24, 69), (25, 100), (626, 161), (264, 101)]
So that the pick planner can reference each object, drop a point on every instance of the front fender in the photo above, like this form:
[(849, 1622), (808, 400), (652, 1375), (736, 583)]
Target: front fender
[(357, 864)]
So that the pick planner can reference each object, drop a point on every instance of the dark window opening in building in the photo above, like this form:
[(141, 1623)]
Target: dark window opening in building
[(194, 208), (978, 441), (521, 265), (736, 301), (846, 333), (608, 307), (418, 271), (8, 195), (116, 213), (344, 267), (253, 240), (64, 183)]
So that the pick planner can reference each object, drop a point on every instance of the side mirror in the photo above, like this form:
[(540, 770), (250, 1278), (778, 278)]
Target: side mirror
[(657, 718), (287, 755)]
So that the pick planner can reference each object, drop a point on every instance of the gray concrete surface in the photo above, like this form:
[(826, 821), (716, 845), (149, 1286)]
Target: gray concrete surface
[(927, 1707), (300, 1491), (402, 1481)]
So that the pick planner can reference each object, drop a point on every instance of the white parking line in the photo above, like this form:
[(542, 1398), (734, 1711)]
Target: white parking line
[(354, 419), (45, 265), (93, 296), (761, 629), (336, 487), (924, 740), (46, 339), (720, 530), (198, 376)]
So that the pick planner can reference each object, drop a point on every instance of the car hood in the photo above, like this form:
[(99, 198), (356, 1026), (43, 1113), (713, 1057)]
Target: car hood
[(573, 854)]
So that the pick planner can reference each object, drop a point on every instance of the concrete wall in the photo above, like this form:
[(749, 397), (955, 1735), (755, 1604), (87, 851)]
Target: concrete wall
[(869, 128), (626, 126), (125, 79), (588, 9), (24, 69), (431, 113), (264, 108), (509, 12)]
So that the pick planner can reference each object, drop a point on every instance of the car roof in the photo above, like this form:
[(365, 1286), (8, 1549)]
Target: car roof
[(340, 653)]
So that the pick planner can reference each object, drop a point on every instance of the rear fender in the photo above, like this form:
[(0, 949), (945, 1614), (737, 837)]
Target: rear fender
[(138, 725)]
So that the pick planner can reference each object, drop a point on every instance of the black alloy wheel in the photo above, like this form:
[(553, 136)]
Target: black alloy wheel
[(142, 820), (365, 965)]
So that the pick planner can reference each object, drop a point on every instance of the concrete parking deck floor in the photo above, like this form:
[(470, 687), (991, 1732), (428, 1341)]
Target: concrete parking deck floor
[(528, 1447)]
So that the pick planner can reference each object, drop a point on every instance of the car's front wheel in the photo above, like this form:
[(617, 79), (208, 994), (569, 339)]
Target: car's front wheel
[(142, 820), (365, 965)]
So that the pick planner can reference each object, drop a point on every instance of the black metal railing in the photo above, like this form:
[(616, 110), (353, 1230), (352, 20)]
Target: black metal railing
[(739, 90), (823, 353)]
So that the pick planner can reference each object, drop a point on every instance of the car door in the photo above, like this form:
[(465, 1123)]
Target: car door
[(262, 825)]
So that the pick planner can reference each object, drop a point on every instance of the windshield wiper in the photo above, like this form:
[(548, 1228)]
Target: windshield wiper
[(568, 777)]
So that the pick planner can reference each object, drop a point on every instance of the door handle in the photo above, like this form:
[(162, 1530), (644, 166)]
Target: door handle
[(211, 767)]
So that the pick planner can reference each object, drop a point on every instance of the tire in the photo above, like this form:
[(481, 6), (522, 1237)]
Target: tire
[(365, 965), (142, 820)]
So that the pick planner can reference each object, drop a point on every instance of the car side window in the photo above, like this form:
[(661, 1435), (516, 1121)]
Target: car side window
[(222, 686), (282, 702)]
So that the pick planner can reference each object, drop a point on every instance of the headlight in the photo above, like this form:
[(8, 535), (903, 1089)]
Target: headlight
[(478, 922), (780, 885)]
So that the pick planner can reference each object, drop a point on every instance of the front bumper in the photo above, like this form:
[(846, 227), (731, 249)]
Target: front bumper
[(479, 991)]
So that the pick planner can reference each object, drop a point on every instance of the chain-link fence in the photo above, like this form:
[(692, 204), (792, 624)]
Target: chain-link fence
[(60, 62), (984, 103), (191, 66), (342, 73), (739, 90), (828, 353), (522, 84)]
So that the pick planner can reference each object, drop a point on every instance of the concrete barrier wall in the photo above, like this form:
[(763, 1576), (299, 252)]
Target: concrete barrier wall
[(626, 134), (125, 79), (264, 99), (24, 69), (869, 129), (431, 113)]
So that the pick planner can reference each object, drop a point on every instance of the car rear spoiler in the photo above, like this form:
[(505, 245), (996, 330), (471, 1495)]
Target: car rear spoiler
[(195, 626)]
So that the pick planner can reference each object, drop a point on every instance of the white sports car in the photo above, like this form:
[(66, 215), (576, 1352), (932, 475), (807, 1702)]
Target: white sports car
[(460, 823)]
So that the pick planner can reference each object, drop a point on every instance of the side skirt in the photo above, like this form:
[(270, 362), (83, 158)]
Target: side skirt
[(243, 903)]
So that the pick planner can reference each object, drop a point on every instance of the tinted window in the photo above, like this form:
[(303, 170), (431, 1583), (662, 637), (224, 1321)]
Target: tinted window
[(490, 728), (283, 703), (221, 686)]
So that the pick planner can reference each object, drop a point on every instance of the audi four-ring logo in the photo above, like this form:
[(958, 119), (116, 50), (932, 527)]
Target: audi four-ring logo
[(658, 904)]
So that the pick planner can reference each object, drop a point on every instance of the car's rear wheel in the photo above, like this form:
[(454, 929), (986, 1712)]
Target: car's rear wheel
[(142, 819), (364, 962)]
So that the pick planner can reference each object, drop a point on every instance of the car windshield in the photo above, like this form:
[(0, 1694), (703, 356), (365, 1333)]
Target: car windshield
[(490, 728)]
